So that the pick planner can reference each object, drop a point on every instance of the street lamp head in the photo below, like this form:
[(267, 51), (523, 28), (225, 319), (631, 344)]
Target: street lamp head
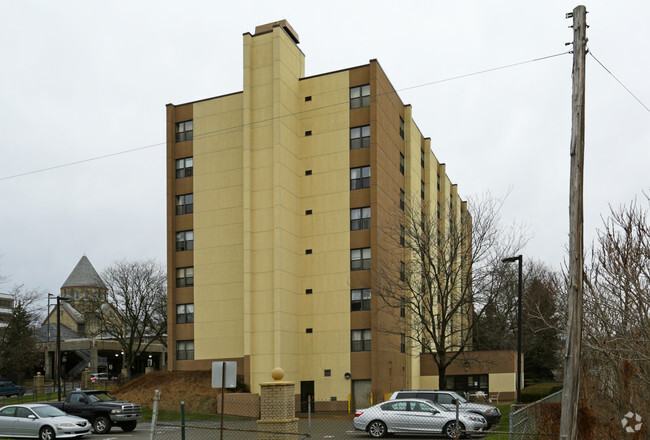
[(511, 259)]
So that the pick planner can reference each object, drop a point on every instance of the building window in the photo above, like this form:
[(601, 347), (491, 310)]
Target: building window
[(438, 179), (360, 177), (438, 210), (184, 276), (422, 189), (360, 96), (184, 204), (327, 373), (401, 199), (360, 218), (184, 350), (422, 158), (184, 313), (184, 167), (359, 299), (402, 235), (185, 240), (402, 271), (360, 259), (360, 137), (401, 163), (361, 340), (184, 131), (402, 308), (402, 343), (401, 127)]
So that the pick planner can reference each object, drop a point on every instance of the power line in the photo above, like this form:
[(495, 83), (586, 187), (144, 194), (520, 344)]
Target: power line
[(619, 81), (480, 72), (67, 164)]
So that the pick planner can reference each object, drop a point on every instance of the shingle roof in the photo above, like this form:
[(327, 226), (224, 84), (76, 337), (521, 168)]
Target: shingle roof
[(84, 275)]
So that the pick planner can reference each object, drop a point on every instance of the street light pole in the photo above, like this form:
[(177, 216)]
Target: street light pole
[(518, 258), (58, 345)]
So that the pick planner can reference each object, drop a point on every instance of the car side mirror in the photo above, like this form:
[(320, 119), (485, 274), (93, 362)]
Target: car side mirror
[(31, 417)]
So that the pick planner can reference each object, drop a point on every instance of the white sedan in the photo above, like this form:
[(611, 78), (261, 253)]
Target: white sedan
[(416, 416), (40, 421)]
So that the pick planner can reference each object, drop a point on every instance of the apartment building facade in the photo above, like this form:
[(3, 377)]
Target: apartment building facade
[(278, 202)]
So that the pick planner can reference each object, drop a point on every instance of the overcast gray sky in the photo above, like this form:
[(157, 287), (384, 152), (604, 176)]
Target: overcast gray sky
[(83, 79)]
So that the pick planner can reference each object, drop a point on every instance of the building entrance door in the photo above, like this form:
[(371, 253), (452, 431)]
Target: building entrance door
[(361, 391), (306, 394)]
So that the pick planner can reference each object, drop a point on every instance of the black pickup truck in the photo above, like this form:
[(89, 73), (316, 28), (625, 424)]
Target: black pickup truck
[(101, 409)]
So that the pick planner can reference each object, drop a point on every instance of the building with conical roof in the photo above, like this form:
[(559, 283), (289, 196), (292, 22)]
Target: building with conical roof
[(83, 342)]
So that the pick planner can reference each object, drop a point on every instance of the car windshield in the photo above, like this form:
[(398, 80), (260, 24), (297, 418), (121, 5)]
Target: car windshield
[(100, 397), (48, 411), (460, 398)]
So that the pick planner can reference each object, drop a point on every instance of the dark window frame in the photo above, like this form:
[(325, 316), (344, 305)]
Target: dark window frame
[(364, 260), (360, 299), (360, 177), (363, 340), (185, 131), (184, 204), (185, 276), (185, 350), (362, 221), (359, 137), (360, 96), (184, 170), (182, 241), (183, 315)]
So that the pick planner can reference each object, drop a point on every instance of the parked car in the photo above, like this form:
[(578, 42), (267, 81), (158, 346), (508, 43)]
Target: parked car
[(40, 421), (101, 409), (99, 377), (9, 389), (415, 416), (447, 399)]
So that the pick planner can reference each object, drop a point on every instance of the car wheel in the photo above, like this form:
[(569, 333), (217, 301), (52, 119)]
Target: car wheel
[(377, 429), (449, 431), (128, 426), (101, 425), (46, 433)]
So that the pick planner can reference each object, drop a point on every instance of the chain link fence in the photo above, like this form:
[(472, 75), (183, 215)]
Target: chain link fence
[(535, 421)]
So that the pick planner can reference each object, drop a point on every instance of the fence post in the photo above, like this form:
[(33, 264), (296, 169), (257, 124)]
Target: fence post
[(457, 421), (182, 420), (154, 414)]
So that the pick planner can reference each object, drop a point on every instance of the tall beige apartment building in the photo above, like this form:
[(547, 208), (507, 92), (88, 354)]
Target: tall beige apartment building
[(278, 198)]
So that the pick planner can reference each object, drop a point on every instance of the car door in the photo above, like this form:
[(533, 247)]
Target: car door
[(426, 418), (394, 414), (77, 405), (8, 421), (25, 425)]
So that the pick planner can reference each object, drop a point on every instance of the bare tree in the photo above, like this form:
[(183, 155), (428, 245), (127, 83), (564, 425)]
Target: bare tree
[(449, 275), (617, 312), (134, 312)]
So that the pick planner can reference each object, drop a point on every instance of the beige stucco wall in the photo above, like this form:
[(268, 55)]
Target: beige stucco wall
[(327, 232), (218, 228)]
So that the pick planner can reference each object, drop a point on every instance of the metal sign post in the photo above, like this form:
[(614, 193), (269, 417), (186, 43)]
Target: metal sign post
[(224, 375)]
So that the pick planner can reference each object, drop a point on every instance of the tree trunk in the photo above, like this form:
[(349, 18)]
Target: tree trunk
[(442, 377)]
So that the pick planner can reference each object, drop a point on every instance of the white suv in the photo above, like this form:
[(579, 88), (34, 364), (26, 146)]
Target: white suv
[(447, 400)]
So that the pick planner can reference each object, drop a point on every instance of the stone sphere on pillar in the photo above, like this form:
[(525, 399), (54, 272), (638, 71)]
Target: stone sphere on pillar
[(277, 373)]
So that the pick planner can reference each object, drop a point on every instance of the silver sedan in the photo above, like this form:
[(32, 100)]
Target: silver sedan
[(40, 421), (415, 416)]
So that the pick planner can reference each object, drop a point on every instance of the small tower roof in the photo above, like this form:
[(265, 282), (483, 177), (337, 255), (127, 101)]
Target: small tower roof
[(84, 275)]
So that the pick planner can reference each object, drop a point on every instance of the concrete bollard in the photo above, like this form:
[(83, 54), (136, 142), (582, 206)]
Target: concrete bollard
[(39, 384)]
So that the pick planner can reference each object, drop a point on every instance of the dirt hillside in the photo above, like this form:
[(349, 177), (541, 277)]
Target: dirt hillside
[(192, 387)]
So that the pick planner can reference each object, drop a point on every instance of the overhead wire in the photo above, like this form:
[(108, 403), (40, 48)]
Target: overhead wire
[(215, 132), (619, 81)]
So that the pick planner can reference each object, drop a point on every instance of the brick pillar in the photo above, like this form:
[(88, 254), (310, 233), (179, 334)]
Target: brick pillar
[(277, 407), (39, 384)]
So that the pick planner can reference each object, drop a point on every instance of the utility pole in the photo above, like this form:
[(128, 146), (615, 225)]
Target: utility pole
[(570, 393)]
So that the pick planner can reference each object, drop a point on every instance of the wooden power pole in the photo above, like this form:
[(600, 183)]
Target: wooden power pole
[(570, 393)]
